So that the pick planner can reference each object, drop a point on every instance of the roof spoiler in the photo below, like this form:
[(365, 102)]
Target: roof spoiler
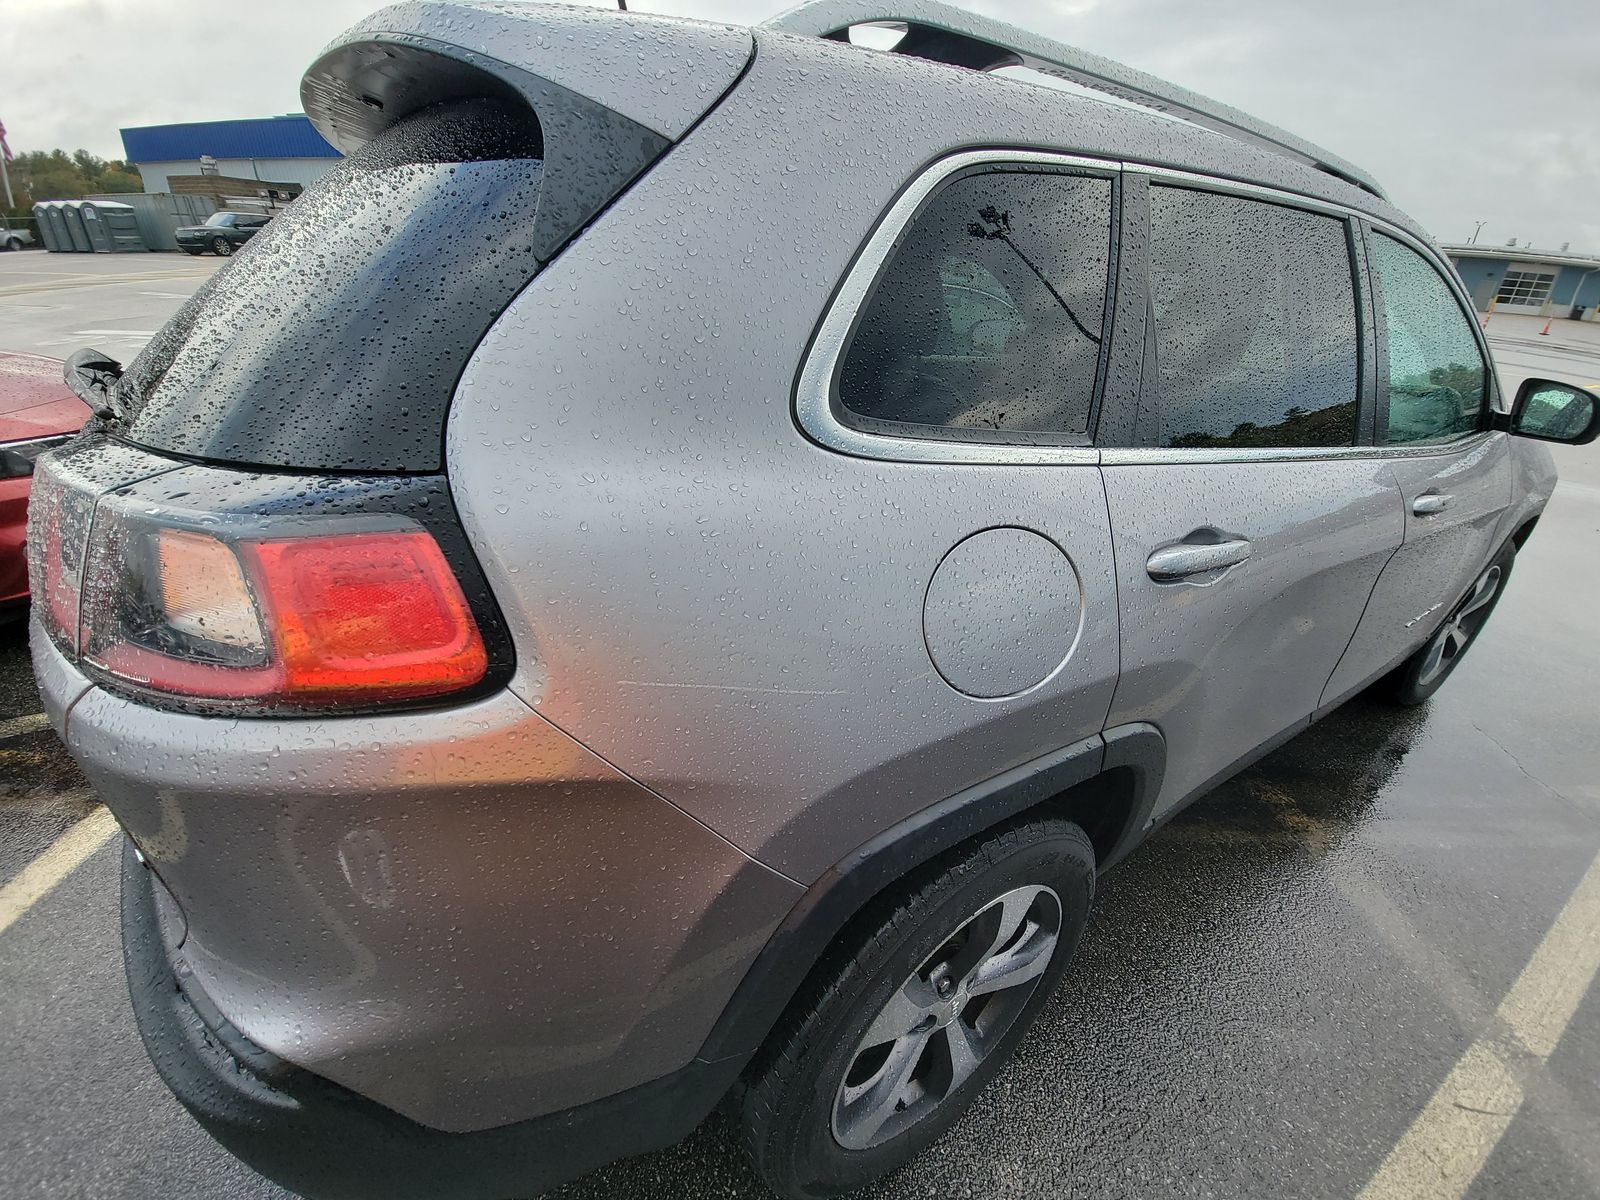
[(660, 73), (611, 90), (946, 34)]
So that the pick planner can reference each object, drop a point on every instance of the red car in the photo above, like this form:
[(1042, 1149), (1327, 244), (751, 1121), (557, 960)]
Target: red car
[(37, 412)]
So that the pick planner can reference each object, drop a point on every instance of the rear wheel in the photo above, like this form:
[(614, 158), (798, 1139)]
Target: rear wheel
[(916, 1008), (13, 243), (222, 246), (1421, 675)]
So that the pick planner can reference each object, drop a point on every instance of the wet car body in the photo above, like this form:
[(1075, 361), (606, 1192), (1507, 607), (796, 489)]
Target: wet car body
[(222, 233), (37, 413), (746, 657)]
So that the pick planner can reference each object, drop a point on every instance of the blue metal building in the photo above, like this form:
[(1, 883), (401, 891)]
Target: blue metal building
[(1535, 283), (285, 149)]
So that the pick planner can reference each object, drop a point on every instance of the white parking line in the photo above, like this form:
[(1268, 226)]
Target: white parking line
[(66, 853), (1451, 1139), (17, 726)]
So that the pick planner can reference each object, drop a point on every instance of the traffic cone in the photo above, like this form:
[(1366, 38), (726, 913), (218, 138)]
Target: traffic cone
[(1545, 332)]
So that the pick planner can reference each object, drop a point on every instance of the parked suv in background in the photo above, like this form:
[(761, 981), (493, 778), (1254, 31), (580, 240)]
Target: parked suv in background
[(222, 233), (670, 574)]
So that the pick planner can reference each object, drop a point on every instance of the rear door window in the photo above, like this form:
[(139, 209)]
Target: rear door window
[(988, 319), (1437, 386), (1255, 335)]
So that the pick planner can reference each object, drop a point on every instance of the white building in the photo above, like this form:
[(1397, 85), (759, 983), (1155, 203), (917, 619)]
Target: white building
[(285, 149)]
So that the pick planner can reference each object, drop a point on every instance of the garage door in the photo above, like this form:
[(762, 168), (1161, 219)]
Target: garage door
[(1525, 289)]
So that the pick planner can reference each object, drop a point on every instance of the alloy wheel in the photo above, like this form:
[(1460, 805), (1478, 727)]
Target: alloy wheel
[(1457, 632), (943, 1021)]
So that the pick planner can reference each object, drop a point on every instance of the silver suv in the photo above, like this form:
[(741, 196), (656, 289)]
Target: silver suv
[(664, 578)]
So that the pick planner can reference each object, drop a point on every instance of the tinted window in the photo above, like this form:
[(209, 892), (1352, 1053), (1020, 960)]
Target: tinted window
[(336, 341), (1255, 323), (1436, 372), (220, 220), (988, 318)]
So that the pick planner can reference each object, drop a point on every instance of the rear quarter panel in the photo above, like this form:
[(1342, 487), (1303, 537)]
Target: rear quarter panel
[(702, 596), (726, 611)]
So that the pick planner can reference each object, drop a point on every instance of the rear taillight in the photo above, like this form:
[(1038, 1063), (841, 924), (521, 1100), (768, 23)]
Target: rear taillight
[(58, 530), (241, 613)]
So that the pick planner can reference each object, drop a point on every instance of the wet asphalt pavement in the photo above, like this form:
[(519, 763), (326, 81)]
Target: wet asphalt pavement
[(1268, 995)]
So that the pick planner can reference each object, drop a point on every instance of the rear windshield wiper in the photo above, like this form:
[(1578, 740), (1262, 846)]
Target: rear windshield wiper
[(93, 375)]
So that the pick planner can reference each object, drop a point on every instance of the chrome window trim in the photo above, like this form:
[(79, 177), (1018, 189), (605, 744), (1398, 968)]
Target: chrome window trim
[(1154, 455), (813, 402)]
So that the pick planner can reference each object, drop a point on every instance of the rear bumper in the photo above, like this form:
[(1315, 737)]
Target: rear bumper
[(461, 914), (325, 1142)]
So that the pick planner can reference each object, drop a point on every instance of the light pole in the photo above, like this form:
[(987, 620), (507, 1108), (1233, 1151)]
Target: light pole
[(1476, 232)]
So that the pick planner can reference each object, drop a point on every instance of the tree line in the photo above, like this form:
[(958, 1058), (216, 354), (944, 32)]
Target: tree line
[(56, 175)]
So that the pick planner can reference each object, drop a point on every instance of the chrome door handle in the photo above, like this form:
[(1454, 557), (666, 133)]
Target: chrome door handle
[(1187, 558), (1433, 502)]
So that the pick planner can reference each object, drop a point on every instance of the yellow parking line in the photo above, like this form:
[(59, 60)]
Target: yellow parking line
[(66, 853), (1447, 1145), (17, 726)]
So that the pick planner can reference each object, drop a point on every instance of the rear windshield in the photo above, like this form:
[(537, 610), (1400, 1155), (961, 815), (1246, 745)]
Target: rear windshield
[(334, 340)]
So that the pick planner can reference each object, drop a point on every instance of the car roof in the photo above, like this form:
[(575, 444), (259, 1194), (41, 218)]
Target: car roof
[(661, 72), (979, 109), (947, 34)]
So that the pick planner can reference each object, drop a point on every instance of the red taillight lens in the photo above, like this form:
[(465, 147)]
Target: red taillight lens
[(58, 531), (379, 614), (353, 617)]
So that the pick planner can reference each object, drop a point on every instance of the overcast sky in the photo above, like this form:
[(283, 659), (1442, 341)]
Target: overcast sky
[(1465, 110)]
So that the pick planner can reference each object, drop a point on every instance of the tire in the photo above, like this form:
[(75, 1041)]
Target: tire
[(837, 1098), (222, 246), (1421, 675), (14, 244)]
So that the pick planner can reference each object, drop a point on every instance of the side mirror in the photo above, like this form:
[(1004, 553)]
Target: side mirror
[(92, 374), (1555, 412)]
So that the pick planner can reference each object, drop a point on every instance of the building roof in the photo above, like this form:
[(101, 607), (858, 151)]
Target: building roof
[(291, 136), (1555, 258)]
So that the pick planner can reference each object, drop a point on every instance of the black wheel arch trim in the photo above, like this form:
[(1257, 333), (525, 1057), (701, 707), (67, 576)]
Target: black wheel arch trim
[(849, 885)]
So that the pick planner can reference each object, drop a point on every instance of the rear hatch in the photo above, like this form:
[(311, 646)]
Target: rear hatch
[(334, 341)]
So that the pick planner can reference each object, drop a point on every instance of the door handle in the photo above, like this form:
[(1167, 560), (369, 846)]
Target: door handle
[(1433, 502), (1188, 558)]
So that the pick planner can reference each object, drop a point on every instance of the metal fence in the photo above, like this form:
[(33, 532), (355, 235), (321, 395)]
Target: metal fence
[(159, 213)]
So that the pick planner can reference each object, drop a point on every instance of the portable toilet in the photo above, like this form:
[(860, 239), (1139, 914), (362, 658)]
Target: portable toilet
[(47, 231), (76, 229), (58, 218), (58, 226), (113, 228), (122, 222), (99, 236), (152, 213)]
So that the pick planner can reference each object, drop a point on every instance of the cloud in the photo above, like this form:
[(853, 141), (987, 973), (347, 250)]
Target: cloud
[(1469, 111)]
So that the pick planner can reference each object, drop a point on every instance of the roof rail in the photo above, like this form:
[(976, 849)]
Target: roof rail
[(944, 33)]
